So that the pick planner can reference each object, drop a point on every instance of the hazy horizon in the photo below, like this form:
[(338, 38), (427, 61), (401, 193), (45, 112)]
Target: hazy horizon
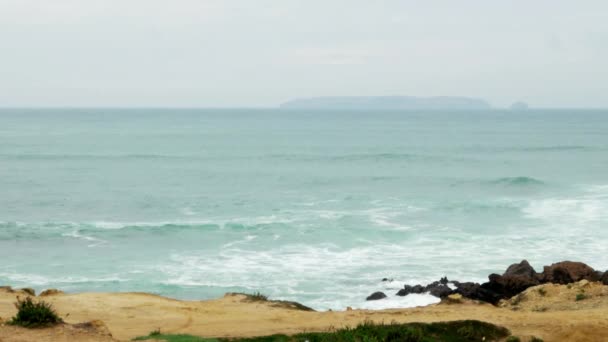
[(238, 54)]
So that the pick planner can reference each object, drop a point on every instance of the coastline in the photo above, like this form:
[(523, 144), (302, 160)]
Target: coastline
[(549, 311)]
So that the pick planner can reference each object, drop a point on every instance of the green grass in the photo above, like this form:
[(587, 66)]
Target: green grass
[(175, 338), (369, 332), (580, 297), (31, 314)]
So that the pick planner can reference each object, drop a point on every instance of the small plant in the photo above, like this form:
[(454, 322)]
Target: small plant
[(513, 339), (155, 332), (536, 339), (32, 314), (569, 286), (257, 296), (542, 292), (580, 297)]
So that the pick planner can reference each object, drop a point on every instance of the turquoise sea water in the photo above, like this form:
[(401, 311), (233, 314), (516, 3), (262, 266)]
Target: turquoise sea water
[(311, 206)]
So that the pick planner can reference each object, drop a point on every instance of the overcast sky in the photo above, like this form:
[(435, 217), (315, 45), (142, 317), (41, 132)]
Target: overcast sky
[(212, 53)]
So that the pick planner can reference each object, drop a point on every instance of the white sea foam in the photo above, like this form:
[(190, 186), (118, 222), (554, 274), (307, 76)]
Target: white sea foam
[(589, 207), (396, 302), (94, 242)]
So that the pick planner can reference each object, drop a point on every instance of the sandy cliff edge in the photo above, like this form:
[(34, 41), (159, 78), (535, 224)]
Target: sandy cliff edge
[(547, 311)]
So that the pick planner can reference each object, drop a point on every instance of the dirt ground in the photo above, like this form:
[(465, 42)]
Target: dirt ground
[(551, 312)]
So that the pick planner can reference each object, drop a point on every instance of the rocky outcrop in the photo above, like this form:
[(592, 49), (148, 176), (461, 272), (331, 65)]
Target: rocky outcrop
[(407, 289), (516, 279), (27, 291), (567, 272), (376, 296), (521, 269), (50, 292)]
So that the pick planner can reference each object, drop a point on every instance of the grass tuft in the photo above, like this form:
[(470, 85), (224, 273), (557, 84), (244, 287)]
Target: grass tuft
[(371, 332), (31, 314), (580, 296)]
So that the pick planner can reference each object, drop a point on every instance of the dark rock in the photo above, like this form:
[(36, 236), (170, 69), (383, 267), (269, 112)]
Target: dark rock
[(387, 279), (507, 286), (441, 291), (407, 289), (438, 289), (444, 280), (605, 278), (521, 269), (597, 276), (566, 272), (475, 291), (468, 289), (376, 296)]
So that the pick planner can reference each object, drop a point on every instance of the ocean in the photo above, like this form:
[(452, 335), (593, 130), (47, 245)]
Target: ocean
[(312, 206)]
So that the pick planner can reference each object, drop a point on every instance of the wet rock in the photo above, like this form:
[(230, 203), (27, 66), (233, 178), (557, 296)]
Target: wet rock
[(475, 291), (407, 289), (605, 278), (566, 272), (376, 296), (387, 279), (444, 280), (441, 291)]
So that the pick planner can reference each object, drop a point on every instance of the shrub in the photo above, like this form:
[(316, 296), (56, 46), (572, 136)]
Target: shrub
[(257, 296), (536, 339), (513, 339), (542, 292), (580, 296), (32, 314)]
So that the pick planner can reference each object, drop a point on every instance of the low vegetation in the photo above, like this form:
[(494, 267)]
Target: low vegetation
[(259, 297), (411, 332), (32, 314)]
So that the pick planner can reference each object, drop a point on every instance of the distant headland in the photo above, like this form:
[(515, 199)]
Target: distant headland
[(388, 102)]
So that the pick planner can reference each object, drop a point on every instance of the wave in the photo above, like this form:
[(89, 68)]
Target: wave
[(519, 181), (51, 157), (575, 211), (557, 148), (201, 157)]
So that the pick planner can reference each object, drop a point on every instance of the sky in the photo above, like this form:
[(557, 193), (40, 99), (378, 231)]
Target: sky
[(259, 53)]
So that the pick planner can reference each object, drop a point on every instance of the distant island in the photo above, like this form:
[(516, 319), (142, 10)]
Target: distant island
[(388, 102)]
